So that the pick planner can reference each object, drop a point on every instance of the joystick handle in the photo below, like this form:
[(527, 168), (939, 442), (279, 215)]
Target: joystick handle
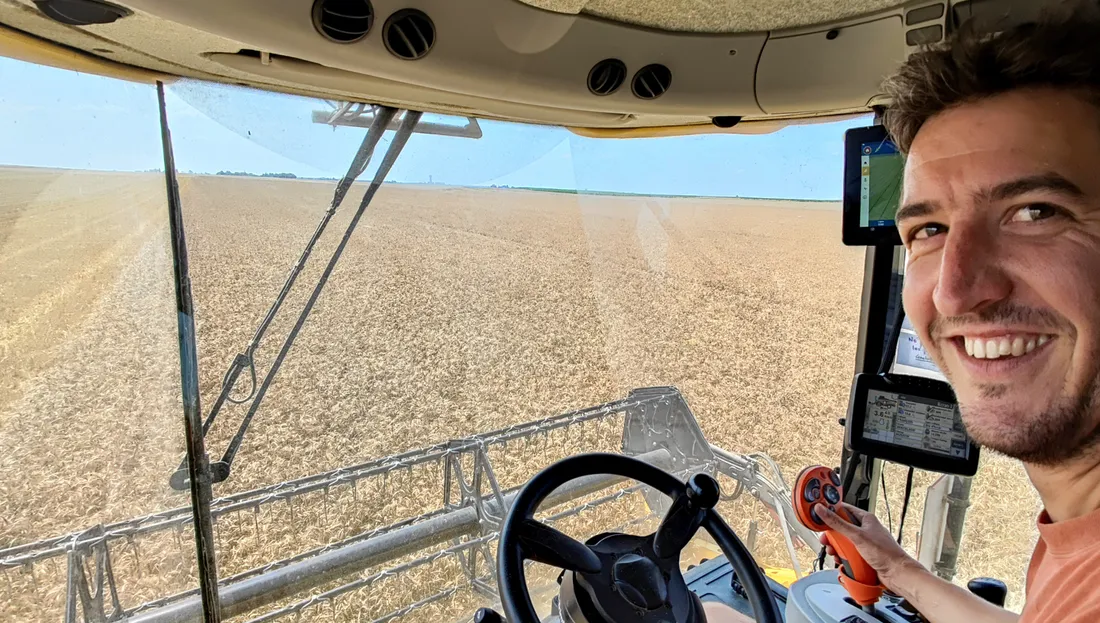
[(686, 515), (821, 485), (856, 576), (990, 589)]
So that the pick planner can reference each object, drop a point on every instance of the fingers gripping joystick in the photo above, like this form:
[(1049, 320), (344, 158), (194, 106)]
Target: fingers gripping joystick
[(821, 485)]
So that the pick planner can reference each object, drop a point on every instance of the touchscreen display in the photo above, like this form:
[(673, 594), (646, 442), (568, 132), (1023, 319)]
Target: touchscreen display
[(919, 423), (880, 176)]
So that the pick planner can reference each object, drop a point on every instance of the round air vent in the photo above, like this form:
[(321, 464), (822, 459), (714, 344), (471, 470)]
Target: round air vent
[(343, 21), (409, 34), (651, 81), (606, 76), (81, 12)]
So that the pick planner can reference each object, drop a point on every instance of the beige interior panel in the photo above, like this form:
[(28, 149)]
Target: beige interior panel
[(833, 68), (585, 123), (21, 46), (143, 41), (508, 59), (327, 78), (494, 58), (146, 42), (471, 57), (718, 15), (498, 58)]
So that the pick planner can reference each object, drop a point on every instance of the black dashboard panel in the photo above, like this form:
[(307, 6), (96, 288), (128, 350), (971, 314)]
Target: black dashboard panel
[(712, 581)]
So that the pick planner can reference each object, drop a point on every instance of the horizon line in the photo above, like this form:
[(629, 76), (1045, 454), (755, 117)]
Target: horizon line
[(270, 175)]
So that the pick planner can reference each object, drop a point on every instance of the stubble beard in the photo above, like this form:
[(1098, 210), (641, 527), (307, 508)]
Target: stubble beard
[(1062, 433), (1066, 430)]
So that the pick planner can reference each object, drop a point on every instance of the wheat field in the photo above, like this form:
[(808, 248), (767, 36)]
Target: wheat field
[(453, 311)]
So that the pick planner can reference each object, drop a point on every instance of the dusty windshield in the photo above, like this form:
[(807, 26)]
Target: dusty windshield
[(379, 377)]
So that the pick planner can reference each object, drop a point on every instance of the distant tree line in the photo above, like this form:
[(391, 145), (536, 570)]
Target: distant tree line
[(289, 176)]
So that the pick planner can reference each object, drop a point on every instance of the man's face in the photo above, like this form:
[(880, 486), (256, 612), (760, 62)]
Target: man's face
[(1001, 217)]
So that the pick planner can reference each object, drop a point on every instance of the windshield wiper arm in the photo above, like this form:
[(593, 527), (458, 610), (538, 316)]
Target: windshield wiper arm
[(382, 118)]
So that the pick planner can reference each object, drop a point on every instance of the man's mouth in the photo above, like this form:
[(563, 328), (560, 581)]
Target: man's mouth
[(1002, 346)]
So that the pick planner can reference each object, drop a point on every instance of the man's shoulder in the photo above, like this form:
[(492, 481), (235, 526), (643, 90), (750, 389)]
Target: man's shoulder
[(1063, 587)]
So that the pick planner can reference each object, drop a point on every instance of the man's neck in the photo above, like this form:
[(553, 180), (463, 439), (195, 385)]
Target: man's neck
[(1068, 490)]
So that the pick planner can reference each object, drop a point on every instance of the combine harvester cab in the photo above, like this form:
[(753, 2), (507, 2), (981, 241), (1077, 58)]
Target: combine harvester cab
[(417, 536)]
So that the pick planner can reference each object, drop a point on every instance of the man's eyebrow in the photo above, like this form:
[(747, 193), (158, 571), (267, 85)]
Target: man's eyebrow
[(1045, 181), (913, 210)]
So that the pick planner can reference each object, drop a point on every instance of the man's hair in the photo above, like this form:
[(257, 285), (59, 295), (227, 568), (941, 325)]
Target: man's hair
[(1061, 49)]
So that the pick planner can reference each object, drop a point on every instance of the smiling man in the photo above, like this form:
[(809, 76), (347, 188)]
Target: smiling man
[(1001, 220)]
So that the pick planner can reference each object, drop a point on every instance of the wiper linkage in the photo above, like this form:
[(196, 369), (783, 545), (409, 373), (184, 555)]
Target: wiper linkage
[(383, 116)]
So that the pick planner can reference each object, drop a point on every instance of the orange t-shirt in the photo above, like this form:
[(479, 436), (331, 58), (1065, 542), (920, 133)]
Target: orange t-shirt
[(1063, 578)]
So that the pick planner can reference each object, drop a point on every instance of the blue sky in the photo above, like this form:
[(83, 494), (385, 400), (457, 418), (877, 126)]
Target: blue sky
[(56, 118)]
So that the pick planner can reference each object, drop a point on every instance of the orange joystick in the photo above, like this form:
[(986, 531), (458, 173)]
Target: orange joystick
[(821, 485)]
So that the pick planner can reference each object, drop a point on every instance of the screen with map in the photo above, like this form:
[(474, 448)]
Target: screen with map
[(914, 422), (873, 170), (880, 176)]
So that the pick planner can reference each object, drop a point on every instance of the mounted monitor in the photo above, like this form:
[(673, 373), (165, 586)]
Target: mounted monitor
[(911, 358), (873, 168), (909, 420)]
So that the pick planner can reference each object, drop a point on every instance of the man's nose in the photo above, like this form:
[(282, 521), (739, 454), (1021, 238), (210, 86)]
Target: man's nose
[(971, 276)]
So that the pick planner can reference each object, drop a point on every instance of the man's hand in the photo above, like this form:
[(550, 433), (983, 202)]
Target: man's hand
[(717, 612), (872, 539), (938, 600)]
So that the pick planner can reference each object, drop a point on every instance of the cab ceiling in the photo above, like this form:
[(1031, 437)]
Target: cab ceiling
[(759, 60), (717, 16)]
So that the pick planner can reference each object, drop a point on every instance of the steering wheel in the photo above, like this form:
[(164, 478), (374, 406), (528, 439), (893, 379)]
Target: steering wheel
[(616, 578)]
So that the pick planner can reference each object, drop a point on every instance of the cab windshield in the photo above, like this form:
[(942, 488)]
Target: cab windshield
[(511, 295)]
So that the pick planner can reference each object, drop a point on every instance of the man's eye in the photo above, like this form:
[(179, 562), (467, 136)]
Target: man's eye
[(927, 231), (1034, 212)]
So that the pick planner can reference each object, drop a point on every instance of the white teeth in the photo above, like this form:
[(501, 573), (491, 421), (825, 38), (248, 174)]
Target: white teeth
[(1007, 346), (991, 349), (1017, 347)]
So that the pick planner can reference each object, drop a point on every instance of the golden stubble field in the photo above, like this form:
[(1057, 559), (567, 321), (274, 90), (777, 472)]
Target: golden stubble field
[(453, 311)]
